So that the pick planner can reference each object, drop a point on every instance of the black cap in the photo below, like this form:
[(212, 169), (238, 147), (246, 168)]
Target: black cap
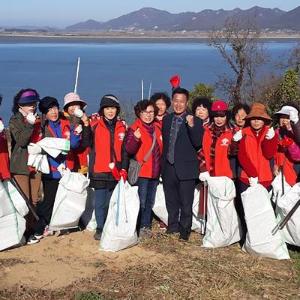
[(46, 103), (109, 101)]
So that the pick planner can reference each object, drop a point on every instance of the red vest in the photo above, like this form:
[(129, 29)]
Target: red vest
[(255, 155), (65, 130), (102, 145), (221, 165), (146, 143), (4, 158)]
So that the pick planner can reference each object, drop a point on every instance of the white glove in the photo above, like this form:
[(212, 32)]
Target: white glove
[(270, 134), (253, 181), (34, 148), (294, 116), (238, 136), (204, 176), (31, 118), (62, 169), (1, 126), (78, 129), (78, 113)]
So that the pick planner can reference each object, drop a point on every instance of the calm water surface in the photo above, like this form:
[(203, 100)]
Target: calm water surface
[(116, 68)]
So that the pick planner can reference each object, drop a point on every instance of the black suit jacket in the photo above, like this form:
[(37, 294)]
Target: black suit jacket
[(188, 142)]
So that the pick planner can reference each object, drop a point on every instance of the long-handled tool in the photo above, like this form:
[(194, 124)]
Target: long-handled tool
[(28, 203), (283, 222), (202, 209), (77, 75)]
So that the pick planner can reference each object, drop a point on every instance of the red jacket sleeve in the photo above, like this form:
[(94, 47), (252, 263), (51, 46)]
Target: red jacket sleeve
[(4, 159), (269, 147)]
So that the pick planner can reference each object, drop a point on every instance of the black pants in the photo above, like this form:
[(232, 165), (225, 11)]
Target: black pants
[(45, 207), (179, 200)]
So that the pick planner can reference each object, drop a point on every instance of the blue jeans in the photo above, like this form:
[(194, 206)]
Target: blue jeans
[(146, 191), (102, 199)]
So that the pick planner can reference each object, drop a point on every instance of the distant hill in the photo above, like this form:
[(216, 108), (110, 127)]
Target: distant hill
[(160, 20)]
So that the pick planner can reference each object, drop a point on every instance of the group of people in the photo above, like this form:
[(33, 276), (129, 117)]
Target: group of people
[(182, 148)]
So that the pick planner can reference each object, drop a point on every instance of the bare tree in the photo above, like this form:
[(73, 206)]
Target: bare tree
[(238, 43)]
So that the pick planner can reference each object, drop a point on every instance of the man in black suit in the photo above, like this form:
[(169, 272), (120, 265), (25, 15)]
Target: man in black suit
[(182, 137)]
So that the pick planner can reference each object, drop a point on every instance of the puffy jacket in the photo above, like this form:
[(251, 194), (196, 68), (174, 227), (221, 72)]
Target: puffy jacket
[(4, 157), (139, 148), (255, 153), (219, 163), (61, 129)]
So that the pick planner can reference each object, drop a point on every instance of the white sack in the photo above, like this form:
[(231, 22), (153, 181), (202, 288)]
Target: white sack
[(223, 224), (69, 202), (119, 230), (39, 162), (260, 220), (12, 224), (291, 231), (159, 207), (88, 218), (16, 198), (54, 146)]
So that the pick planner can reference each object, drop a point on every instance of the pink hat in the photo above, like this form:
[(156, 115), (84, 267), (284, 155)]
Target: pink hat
[(219, 105), (73, 97)]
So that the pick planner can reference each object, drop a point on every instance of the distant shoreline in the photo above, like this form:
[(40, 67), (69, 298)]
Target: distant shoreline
[(37, 37)]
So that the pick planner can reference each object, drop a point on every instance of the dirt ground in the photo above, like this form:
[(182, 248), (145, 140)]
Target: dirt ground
[(162, 267)]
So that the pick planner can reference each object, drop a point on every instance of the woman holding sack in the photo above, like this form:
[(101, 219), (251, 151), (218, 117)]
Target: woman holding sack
[(287, 158), (108, 158), (216, 145), (144, 141), (25, 128), (257, 147), (56, 126)]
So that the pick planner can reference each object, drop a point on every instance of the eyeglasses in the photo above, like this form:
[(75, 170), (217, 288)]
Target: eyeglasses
[(151, 112)]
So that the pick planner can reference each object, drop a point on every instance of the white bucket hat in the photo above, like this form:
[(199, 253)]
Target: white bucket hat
[(73, 97)]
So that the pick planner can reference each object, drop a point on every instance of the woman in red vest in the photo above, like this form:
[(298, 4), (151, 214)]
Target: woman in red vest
[(287, 158), (257, 146), (4, 157), (201, 108), (216, 145), (144, 141), (74, 112), (108, 158)]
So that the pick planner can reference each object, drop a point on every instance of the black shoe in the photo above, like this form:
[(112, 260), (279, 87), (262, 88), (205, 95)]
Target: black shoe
[(97, 235), (184, 237), (169, 231)]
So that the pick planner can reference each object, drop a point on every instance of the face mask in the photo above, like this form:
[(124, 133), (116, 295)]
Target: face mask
[(78, 113)]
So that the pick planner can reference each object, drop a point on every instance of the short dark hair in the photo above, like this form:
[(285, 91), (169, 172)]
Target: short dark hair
[(17, 97), (142, 106), (180, 90), (239, 106), (204, 101), (163, 96)]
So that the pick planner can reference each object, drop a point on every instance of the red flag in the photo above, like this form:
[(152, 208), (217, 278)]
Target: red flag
[(175, 81)]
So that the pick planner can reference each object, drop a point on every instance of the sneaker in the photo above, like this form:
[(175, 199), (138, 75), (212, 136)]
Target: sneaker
[(97, 235), (47, 232), (32, 240), (145, 233)]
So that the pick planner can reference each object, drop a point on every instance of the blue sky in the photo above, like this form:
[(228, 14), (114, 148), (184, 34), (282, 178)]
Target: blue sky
[(61, 13)]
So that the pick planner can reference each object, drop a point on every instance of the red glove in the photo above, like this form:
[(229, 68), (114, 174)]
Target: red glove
[(175, 81), (115, 173), (123, 174), (286, 142)]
